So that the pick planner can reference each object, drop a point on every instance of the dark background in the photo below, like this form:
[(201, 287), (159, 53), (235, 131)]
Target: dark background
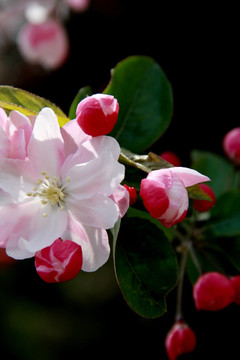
[(197, 47)]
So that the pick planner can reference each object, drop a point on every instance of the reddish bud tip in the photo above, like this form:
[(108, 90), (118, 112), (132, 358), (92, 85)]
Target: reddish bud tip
[(171, 158), (205, 205), (180, 340), (235, 281), (59, 262), (213, 291), (132, 194), (231, 145), (97, 114)]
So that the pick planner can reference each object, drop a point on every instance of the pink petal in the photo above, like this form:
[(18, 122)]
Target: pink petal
[(188, 176), (73, 137), (121, 198), (4, 144)]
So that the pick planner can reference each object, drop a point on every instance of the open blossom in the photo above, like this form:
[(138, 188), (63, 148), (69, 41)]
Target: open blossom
[(164, 193), (65, 189), (15, 132), (45, 43)]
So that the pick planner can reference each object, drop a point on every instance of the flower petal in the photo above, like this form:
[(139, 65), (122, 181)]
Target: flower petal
[(93, 241), (188, 176), (73, 137), (45, 148)]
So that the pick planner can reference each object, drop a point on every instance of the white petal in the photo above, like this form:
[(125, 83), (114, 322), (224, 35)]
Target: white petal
[(188, 176), (73, 137), (45, 148)]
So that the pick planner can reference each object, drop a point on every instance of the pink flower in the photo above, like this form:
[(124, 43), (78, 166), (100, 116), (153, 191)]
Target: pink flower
[(61, 261), (205, 205), (180, 340), (15, 132), (97, 114), (62, 190), (231, 145), (45, 44), (78, 5), (213, 291), (164, 193)]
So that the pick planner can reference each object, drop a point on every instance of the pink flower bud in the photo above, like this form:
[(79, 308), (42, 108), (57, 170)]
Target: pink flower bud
[(213, 291), (164, 193), (231, 145), (171, 158), (97, 114), (180, 340), (78, 5), (45, 44), (132, 194), (205, 205), (61, 261), (235, 281)]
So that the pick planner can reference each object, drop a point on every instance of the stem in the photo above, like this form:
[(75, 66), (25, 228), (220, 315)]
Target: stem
[(194, 257), (183, 264)]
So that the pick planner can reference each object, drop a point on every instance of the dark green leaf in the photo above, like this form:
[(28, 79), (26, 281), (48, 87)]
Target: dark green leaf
[(145, 266), (82, 93), (28, 104), (145, 99)]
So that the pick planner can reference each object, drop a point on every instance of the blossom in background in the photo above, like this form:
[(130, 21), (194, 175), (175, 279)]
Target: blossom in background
[(213, 291), (64, 189), (97, 114), (231, 145), (180, 339), (170, 157), (78, 5), (164, 193), (44, 43)]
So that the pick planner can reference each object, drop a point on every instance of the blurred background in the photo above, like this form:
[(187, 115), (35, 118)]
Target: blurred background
[(197, 47)]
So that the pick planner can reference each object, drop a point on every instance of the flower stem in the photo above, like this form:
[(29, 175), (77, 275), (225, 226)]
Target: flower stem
[(183, 264)]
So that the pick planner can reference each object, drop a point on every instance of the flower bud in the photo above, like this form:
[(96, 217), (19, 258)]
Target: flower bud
[(213, 291), (61, 261), (205, 205), (78, 5), (231, 145), (132, 194), (180, 340), (171, 158), (235, 281), (97, 114)]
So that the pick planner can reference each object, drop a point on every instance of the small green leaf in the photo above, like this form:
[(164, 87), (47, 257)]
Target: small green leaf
[(195, 192), (145, 102), (82, 93), (12, 98), (145, 265)]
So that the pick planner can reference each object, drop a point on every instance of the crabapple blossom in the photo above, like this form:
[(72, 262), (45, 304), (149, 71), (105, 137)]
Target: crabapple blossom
[(205, 205), (213, 291), (15, 132), (44, 43), (170, 157), (59, 262), (164, 193), (62, 190), (180, 339), (78, 5), (97, 114)]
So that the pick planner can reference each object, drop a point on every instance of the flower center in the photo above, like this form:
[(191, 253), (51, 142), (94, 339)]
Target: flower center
[(50, 191)]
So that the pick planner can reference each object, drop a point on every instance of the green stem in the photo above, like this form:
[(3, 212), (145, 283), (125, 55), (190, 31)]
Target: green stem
[(183, 264)]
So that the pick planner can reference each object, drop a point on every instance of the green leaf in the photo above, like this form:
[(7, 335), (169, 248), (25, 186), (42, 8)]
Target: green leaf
[(12, 98), (145, 265), (82, 93), (217, 168), (145, 102), (225, 216)]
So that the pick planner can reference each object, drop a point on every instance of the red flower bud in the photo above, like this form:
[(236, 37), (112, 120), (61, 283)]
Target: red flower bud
[(171, 158), (132, 194), (205, 205), (213, 291), (180, 340), (97, 114), (231, 145), (235, 281), (61, 261)]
